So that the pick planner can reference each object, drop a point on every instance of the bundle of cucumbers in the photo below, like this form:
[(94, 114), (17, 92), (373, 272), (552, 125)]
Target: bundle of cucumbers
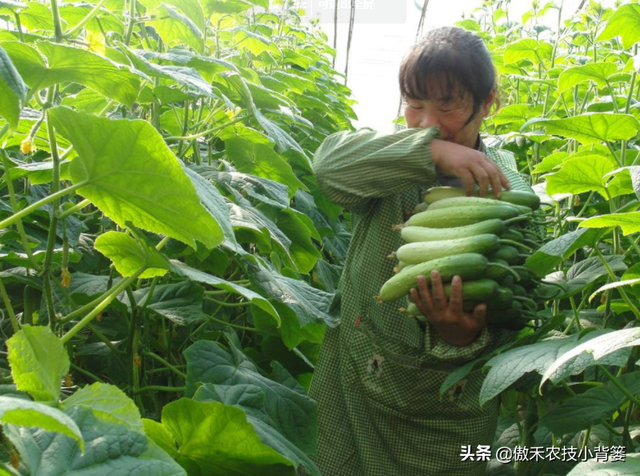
[(482, 240)]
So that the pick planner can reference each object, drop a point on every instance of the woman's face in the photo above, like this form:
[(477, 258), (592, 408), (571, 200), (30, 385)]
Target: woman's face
[(449, 112)]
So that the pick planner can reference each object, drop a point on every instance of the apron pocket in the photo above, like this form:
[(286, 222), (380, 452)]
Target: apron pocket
[(408, 384)]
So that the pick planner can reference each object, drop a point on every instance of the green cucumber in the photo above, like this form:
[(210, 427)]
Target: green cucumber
[(466, 265), (497, 272), (419, 252), (502, 299), (440, 193), (413, 234), (508, 254), (460, 216), (420, 207), (474, 202), (518, 197), (511, 234)]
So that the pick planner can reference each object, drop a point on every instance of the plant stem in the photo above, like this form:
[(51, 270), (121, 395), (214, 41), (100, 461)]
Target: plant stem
[(73, 209), (7, 302), (14, 206), (100, 307), (57, 28), (623, 293), (166, 363), (207, 132), (618, 385), (235, 326), (86, 373), (132, 18), (34, 206), (159, 388), (76, 29), (227, 304)]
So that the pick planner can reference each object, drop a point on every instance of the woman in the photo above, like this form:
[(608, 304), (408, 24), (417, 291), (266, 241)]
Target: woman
[(378, 373)]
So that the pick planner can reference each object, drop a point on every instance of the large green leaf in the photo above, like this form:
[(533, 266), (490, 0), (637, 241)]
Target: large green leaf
[(38, 16), (509, 366), (214, 202), (177, 29), (129, 256), (591, 127), (38, 362), (185, 76), (133, 176), (19, 412), (550, 162), (250, 398), (202, 277), (111, 449), (626, 180), (310, 305), (630, 466), (629, 222), (107, 402), (599, 73), (12, 91), (585, 272), (298, 228), (74, 13), (69, 63), (515, 114), (554, 252), (179, 302), (294, 415), (625, 23), (226, 6), (611, 348), (282, 139), (264, 190), (590, 407), (261, 160), (192, 9), (581, 174), (217, 439), (530, 49)]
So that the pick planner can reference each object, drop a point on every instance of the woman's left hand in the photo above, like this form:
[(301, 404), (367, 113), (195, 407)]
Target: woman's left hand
[(447, 316)]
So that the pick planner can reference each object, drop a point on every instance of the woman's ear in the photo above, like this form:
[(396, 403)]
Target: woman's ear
[(488, 102)]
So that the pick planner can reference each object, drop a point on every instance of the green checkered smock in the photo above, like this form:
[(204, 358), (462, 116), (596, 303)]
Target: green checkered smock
[(378, 374)]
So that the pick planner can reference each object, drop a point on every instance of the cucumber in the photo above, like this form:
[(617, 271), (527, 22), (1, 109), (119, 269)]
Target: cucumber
[(473, 202), (502, 299), (461, 216), (518, 290), (421, 207), (413, 234), (466, 265), (518, 197), (479, 290), (511, 234), (496, 272), (440, 193), (419, 252), (508, 281), (508, 254)]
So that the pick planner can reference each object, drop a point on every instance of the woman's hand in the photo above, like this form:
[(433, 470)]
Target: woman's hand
[(469, 165), (456, 326)]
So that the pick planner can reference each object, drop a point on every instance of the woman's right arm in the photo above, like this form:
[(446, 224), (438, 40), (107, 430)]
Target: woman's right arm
[(354, 167)]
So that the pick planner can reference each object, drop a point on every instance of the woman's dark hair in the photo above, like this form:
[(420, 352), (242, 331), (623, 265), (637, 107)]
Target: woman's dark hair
[(453, 57)]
